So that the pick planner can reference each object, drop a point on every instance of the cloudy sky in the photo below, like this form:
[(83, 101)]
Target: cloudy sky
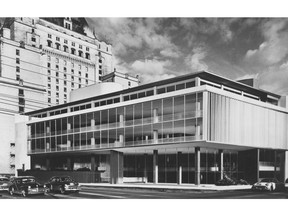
[(160, 48)]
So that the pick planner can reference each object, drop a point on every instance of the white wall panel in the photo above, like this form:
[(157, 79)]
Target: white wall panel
[(237, 122)]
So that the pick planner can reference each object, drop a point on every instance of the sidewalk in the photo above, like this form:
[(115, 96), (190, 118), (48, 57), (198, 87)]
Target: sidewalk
[(182, 187)]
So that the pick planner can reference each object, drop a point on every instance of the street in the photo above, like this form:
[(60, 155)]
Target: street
[(124, 193)]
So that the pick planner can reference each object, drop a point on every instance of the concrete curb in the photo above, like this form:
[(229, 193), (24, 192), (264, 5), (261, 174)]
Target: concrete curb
[(171, 188)]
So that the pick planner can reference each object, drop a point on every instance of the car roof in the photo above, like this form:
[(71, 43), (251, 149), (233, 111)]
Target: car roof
[(61, 177), (21, 177)]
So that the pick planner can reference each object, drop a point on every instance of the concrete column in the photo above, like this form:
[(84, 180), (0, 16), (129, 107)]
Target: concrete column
[(275, 163), (92, 122), (69, 164), (285, 165), (121, 120), (93, 163), (145, 168), (68, 126), (155, 115), (220, 163), (48, 129), (179, 167), (155, 166), (47, 164), (92, 141), (155, 136), (116, 167), (197, 166), (257, 159)]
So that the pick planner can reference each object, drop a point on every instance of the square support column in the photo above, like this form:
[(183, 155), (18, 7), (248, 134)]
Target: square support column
[(116, 167), (179, 167), (69, 164), (155, 166), (145, 168), (47, 164), (93, 163), (220, 163), (197, 166), (284, 161)]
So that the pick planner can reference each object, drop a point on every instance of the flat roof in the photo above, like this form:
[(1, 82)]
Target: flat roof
[(201, 74)]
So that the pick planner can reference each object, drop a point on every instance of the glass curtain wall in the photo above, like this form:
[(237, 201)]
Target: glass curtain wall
[(174, 119)]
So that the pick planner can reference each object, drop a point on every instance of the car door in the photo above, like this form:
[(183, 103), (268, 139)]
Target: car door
[(17, 184)]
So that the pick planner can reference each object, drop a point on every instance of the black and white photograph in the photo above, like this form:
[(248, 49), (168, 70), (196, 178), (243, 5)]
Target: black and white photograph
[(143, 107)]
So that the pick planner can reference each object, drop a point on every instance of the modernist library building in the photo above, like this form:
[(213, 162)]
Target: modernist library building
[(190, 129)]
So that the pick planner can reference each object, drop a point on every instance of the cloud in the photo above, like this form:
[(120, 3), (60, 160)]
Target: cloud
[(170, 52), (151, 70), (196, 61), (274, 49)]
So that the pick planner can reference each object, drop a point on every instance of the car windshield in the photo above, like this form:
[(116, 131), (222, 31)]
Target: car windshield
[(4, 179), (28, 180), (268, 180), (65, 179)]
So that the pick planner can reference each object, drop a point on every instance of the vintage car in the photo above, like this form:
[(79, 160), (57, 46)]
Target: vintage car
[(25, 185), (268, 184), (62, 184), (4, 183)]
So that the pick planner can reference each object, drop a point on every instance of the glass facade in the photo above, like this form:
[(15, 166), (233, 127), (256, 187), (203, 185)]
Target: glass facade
[(168, 120)]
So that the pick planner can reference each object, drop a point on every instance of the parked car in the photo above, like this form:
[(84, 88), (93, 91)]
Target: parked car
[(25, 185), (62, 184), (4, 183), (268, 184)]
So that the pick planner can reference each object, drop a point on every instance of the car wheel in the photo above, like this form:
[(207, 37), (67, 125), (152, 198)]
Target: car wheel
[(271, 188), (47, 190), (23, 193), (62, 190), (11, 191)]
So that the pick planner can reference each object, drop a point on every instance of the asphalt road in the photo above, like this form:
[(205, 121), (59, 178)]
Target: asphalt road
[(122, 193)]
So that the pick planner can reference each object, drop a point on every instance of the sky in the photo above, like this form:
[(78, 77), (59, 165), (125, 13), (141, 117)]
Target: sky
[(236, 48)]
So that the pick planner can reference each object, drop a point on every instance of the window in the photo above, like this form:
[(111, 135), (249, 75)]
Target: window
[(79, 67), (57, 81), (79, 73), (100, 66), (21, 110), (57, 88), (17, 69), (33, 39), (72, 51), (49, 79), (21, 92), (65, 82), (57, 74), (49, 86), (79, 80), (17, 52), (49, 36), (57, 67), (80, 46), (65, 76), (57, 46), (65, 41), (72, 71), (65, 89), (99, 46), (49, 43), (65, 96), (86, 75), (100, 72), (73, 43), (79, 85), (57, 60), (49, 100), (86, 68), (57, 94), (49, 72), (17, 77), (48, 58), (72, 64), (72, 85), (86, 82), (65, 69), (65, 62), (48, 65), (80, 53), (57, 101), (49, 93), (57, 39), (65, 48), (87, 49), (107, 49), (17, 61), (72, 78)]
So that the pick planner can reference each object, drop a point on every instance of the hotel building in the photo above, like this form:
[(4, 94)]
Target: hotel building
[(189, 129), (41, 61)]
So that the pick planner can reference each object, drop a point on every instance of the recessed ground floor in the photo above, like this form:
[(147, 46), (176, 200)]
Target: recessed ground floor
[(186, 164)]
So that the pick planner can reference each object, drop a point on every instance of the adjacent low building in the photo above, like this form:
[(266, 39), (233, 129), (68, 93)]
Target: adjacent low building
[(189, 129)]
